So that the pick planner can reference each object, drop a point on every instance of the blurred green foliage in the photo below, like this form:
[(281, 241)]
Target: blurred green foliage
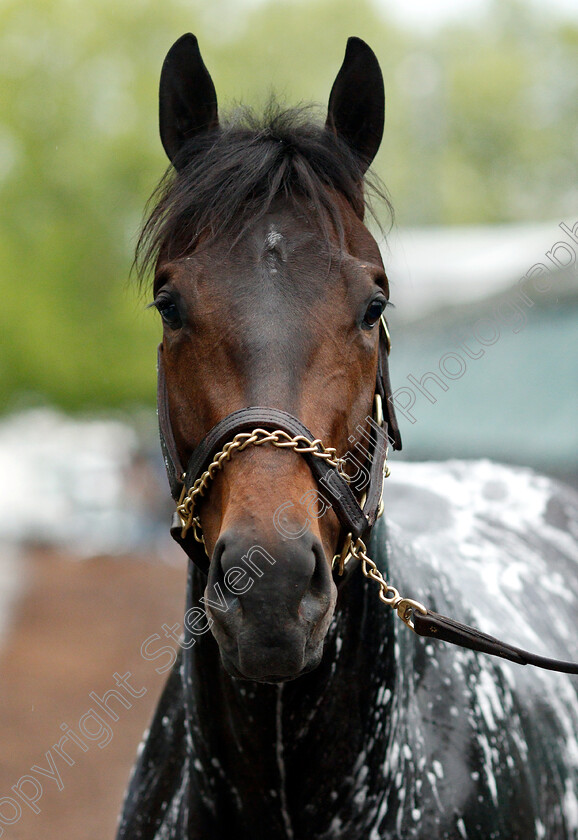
[(482, 127)]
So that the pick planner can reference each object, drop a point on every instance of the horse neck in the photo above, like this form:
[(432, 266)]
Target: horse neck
[(282, 736)]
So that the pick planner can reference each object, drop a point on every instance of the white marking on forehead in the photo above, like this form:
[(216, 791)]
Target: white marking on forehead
[(273, 239), (274, 250)]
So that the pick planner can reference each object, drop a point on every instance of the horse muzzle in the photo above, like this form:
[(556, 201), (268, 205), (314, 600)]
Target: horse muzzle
[(270, 606)]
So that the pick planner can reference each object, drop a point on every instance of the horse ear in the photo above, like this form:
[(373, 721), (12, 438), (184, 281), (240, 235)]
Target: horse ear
[(187, 98), (357, 102)]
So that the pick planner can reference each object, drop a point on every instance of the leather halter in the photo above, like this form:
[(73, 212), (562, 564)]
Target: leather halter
[(355, 520)]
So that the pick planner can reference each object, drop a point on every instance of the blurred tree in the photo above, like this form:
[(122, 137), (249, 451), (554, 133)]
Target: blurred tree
[(481, 128)]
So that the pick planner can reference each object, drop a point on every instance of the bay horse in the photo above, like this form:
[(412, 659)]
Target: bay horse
[(299, 709)]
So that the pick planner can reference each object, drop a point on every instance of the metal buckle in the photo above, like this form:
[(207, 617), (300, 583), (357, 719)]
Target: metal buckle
[(378, 410), (405, 609)]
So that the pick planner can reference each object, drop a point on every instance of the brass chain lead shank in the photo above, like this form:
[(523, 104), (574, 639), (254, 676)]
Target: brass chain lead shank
[(387, 594)]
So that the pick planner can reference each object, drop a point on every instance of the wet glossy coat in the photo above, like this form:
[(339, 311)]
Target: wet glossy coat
[(394, 736)]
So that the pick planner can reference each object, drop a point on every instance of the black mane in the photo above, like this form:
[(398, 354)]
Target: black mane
[(232, 175)]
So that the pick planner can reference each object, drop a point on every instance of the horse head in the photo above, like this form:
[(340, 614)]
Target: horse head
[(271, 291)]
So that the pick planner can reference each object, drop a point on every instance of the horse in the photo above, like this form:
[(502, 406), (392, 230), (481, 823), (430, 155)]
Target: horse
[(299, 707)]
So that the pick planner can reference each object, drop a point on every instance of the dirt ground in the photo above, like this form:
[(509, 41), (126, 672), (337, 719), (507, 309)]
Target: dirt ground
[(75, 625)]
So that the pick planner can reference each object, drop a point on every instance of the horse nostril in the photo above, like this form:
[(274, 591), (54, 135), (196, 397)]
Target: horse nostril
[(238, 567), (321, 580), (216, 579), (218, 551)]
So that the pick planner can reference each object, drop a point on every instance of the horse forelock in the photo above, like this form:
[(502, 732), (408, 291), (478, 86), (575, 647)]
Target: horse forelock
[(233, 175)]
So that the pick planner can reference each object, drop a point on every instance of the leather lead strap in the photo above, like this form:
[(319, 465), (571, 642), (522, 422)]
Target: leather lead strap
[(446, 629)]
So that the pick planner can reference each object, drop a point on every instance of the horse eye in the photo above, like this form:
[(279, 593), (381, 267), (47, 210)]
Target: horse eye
[(169, 313), (374, 313)]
